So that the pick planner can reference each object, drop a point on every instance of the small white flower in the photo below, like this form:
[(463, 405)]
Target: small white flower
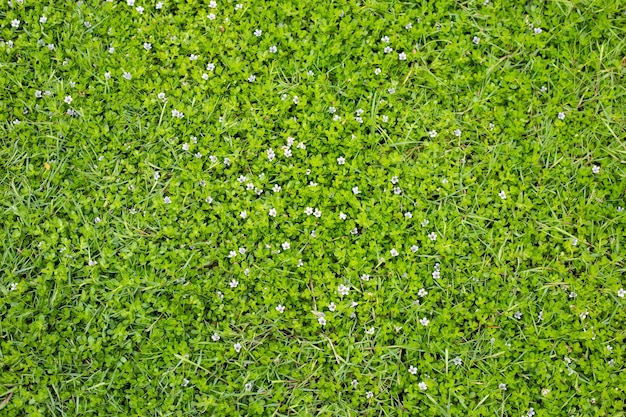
[(342, 216), (185, 146), (457, 361), (296, 100), (237, 347), (68, 99), (385, 118), (502, 387), (432, 133), (432, 236), (287, 152), (185, 382), (13, 286), (621, 293), (127, 75), (424, 321), (251, 78), (210, 67), (354, 383), (193, 57), (394, 252), (232, 254), (595, 169), (300, 263), (354, 231), (543, 88), (227, 162), (538, 31), (243, 214), (273, 49), (92, 263), (377, 71), (408, 26), (286, 245), (15, 23), (336, 118), (277, 188), (332, 306), (317, 213), (238, 6), (159, 6), (457, 133), (139, 9), (233, 283), (248, 386), (280, 308), (365, 277), (502, 194), (476, 40), (355, 190), (402, 56), (394, 180), (301, 145), (130, 2), (308, 211), (167, 200), (620, 209), (147, 46), (518, 315), (422, 292), (341, 160), (321, 320), (211, 16), (408, 215), (422, 386), (369, 395), (97, 220), (412, 370), (370, 331), (385, 39), (258, 32), (561, 116), (50, 46), (388, 49), (343, 290), (414, 248), (242, 250), (215, 337), (273, 212)]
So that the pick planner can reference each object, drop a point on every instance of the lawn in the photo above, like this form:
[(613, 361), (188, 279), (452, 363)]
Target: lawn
[(312, 208)]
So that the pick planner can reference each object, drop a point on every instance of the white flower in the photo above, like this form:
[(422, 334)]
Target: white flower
[(341, 160), (365, 277), (237, 347), (232, 254), (227, 162), (336, 118), (300, 263), (211, 16), (308, 211), (369, 395), (273, 212), (457, 133), (343, 290), (342, 216), (621, 293), (287, 152), (422, 386), (233, 283), (273, 49), (92, 263), (167, 200), (185, 146), (408, 26), (147, 46), (242, 250), (317, 213), (414, 248), (243, 214), (97, 220), (518, 315), (385, 39), (332, 306), (385, 119), (620, 209), (432, 133), (286, 245), (280, 308), (424, 321), (43, 19), (295, 99), (111, 50), (502, 194), (193, 57), (321, 320), (212, 4), (130, 2), (476, 40), (301, 145), (432, 236), (248, 386), (561, 116), (50, 46), (355, 190), (276, 188), (422, 292), (402, 56), (354, 231), (436, 274), (159, 5), (15, 23), (258, 32), (210, 67), (354, 383), (457, 361), (185, 382), (251, 78), (370, 331), (68, 99), (38, 94), (139, 9), (394, 252), (127, 75), (595, 169), (377, 71), (215, 337), (537, 31), (408, 215), (502, 387), (412, 370), (238, 6), (543, 88), (388, 49)]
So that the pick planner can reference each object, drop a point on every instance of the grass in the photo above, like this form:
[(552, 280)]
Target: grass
[(495, 148)]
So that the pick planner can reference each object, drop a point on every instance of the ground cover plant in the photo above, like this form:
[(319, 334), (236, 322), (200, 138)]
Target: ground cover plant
[(312, 208)]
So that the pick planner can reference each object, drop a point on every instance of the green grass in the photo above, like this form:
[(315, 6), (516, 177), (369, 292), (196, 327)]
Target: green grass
[(117, 284)]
